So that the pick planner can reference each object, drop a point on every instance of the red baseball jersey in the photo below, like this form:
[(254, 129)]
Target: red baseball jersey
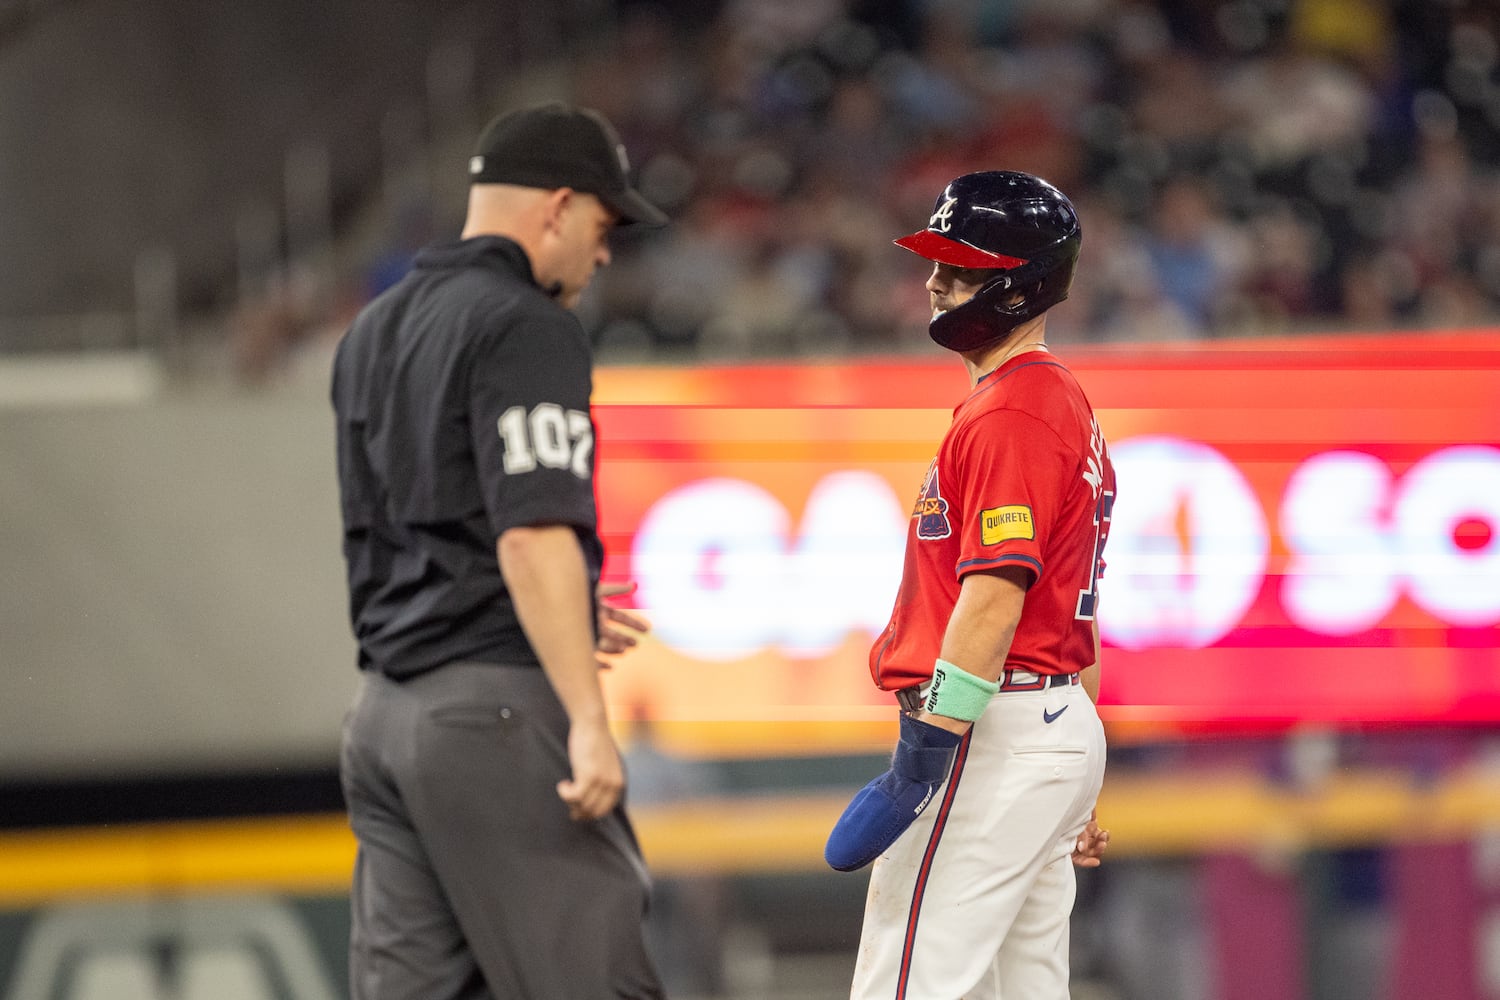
[(1022, 478)]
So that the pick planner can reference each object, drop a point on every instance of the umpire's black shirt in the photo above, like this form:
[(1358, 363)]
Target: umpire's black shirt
[(462, 401)]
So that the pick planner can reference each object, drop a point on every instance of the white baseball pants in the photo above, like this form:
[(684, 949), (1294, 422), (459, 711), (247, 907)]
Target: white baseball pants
[(973, 901)]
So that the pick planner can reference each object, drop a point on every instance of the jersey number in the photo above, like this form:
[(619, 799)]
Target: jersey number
[(548, 435), (1089, 596)]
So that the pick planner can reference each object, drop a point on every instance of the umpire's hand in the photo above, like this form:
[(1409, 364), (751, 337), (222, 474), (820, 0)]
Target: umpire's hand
[(598, 776)]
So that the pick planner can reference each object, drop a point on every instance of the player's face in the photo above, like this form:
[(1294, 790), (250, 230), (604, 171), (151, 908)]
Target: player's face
[(585, 228), (950, 287)]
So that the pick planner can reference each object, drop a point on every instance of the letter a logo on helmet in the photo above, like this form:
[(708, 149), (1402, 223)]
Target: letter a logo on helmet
[(1009, 222), (942, 219)]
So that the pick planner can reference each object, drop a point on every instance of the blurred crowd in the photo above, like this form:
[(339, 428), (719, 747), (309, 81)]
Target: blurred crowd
[(1240, 167)]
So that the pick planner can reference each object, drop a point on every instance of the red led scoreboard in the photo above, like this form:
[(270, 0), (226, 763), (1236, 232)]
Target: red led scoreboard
[(1307, 530)]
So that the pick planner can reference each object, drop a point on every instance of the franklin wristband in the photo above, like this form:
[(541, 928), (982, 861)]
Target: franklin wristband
[(957, 693)]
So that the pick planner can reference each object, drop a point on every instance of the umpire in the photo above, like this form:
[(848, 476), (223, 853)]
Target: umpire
[(482, 782)]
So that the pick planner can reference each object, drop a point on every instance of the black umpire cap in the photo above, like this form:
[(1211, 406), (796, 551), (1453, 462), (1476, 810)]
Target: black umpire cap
[(556, 145)]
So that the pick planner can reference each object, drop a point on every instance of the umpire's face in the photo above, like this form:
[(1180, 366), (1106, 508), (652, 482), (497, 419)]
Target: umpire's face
[(580, 245)]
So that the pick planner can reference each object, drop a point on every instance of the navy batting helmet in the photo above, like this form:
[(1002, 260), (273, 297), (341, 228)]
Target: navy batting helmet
[(1011, 222)]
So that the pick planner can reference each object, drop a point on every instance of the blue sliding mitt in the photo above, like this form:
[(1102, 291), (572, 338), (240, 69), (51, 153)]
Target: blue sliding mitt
[(885, 807)]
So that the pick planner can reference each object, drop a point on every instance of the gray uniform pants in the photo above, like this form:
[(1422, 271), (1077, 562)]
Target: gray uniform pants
[(471, 881)]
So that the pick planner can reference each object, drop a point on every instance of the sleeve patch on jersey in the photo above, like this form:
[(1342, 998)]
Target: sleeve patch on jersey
[(1003, 524)]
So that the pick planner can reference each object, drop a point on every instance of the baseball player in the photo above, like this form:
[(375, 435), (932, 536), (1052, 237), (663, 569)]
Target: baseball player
[(495, 856), (992, 648)]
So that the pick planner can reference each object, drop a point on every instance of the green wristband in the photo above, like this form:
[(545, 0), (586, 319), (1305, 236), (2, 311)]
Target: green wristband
[(957, 693)]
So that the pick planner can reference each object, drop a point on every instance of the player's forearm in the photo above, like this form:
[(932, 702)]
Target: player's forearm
[(983, 623), (545, 573)]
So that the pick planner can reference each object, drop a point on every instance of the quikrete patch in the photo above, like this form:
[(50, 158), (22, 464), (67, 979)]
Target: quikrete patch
[(1002, 524)]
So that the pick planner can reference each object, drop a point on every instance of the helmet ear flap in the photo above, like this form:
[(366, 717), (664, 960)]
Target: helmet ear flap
[(967, 328), (985, 318), (990, 315)]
